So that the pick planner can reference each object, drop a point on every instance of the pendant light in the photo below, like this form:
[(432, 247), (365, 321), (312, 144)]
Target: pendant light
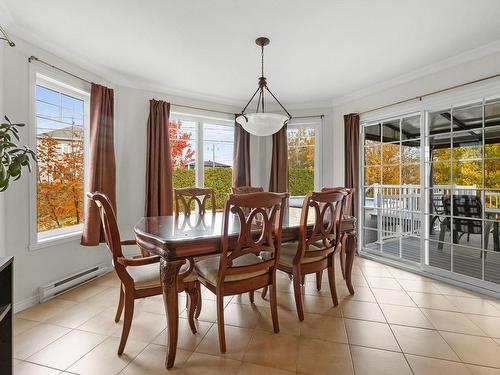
[(262, 123)]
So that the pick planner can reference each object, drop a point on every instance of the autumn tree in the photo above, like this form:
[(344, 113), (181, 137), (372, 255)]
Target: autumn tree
[(301, 148), (180, 146), (60, 179)]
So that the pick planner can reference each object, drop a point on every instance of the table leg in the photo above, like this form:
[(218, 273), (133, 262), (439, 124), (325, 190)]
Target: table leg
[(168, 272), (351, 251)]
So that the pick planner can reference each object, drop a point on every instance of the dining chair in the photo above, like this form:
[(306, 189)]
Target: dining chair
[(246, 262), (200, 197), (347, 211), (247, 189), (314, 250), (140, 277)]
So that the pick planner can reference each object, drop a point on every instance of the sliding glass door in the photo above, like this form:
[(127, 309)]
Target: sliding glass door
[(391, 188), (431, 191)]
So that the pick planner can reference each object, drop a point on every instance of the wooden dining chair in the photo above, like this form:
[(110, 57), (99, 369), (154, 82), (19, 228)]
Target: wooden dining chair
[(200, 197), (140, 277), (314, 250), (347, 211), (247, 262), (247, 189)]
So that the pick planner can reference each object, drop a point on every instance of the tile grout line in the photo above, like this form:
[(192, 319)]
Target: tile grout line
[(395, 338)]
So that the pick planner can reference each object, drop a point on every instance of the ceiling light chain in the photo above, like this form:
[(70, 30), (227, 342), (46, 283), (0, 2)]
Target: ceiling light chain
[(262, 123)]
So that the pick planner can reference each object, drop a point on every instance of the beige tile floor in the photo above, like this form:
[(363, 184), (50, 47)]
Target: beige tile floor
[(396, 323)]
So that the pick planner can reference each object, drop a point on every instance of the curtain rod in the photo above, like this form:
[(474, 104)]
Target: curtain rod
[(6, 37), (420, 97), (34, 58)]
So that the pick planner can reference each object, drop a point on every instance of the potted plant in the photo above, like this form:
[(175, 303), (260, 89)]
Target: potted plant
[(12, 156)]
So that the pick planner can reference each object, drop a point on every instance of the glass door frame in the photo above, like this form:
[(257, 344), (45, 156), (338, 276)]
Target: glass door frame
[(424, 111)]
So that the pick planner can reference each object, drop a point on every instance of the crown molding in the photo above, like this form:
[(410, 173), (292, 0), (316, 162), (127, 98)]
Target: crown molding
[(461, 58)]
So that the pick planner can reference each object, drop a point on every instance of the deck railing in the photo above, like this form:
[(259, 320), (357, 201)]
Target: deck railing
[(398, 207)]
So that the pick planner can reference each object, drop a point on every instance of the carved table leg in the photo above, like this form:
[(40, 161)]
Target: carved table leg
[(351, 251), (168, 272)]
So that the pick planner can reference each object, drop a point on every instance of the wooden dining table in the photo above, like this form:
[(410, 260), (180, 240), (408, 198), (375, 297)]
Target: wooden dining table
[(178, 238)]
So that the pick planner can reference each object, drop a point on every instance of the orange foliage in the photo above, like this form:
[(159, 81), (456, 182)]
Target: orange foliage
[(60, 182), (180, 145)]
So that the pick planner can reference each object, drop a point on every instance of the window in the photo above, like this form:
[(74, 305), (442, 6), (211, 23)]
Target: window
[(431, 190), (303, 157), (61, 117), (202, 154)]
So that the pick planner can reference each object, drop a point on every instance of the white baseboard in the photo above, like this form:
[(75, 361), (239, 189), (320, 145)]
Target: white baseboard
[(25, 303)]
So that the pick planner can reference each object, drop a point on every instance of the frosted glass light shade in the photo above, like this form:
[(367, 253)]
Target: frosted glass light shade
[(262, 124)]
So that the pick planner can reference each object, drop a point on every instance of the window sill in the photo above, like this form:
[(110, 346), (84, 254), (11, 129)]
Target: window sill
[(55, 240)]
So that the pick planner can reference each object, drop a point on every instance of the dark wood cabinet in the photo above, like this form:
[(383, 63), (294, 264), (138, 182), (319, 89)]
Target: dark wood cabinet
[(6, 274)]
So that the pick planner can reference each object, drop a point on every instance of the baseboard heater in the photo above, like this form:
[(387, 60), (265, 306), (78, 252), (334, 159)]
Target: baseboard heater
[(59, 286)]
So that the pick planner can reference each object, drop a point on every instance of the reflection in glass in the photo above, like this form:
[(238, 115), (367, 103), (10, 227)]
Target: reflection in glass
[(440, 173), (439, 255), (370, 218), (492, 142), (492, 174), (492, 113), (372, 176), (467, 261), (390, 153), (390, 131), (467, 117), (372, 155), (410, 152), (390, 175), (410, 127), (439, 122), (371, 240), (410, 174), (468, 145), (468, 173), (372, 134)]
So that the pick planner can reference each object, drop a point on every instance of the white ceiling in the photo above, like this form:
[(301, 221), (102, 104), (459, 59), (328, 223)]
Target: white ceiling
[(319, 49)]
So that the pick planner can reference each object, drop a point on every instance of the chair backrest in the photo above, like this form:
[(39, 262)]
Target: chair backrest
[(347, 199), (199, 196), (465, 208), (260, 217), (247, 189), (111, 232), (328, 205)]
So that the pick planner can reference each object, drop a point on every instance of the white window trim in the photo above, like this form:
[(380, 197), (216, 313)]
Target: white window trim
[(199, 147), (78, 89), (318, 148)]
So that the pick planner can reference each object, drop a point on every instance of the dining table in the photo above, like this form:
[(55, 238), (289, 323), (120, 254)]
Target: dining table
[(178, 238)]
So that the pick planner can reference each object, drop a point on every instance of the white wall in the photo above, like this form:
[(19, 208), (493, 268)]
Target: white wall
[(474, 69)]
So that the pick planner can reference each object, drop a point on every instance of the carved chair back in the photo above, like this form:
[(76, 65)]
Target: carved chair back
[(247, 189), (185, 197), (260, 219), (325, 234), (111, 233), (347, 211)]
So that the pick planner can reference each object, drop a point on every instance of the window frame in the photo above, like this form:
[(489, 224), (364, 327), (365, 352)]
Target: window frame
[(318, 142), (199, 121), (77, 89)]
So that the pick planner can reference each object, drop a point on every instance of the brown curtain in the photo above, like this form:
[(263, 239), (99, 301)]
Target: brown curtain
[(279, 163), (351, 157), (102, 175), (159, 191), (241, 157)]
